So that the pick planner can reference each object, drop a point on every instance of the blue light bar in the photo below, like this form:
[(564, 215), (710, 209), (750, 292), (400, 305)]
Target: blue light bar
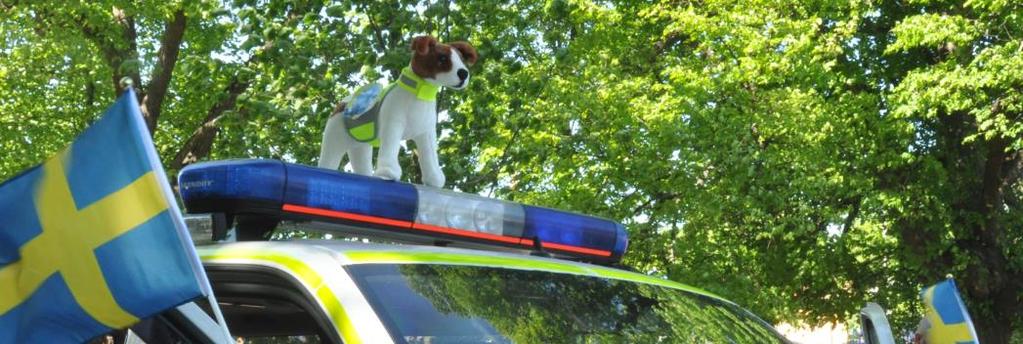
[(233, 180), (297, 192)]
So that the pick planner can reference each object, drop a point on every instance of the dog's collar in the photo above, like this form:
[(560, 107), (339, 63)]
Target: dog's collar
[(417, 86)]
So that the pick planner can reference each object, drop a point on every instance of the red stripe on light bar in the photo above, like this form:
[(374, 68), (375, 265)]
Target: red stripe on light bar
[(465, 233), (576, 249), (346, 216), (438, 229)]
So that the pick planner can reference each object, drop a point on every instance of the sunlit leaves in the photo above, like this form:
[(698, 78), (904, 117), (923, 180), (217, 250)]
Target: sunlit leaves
[(933, 30)]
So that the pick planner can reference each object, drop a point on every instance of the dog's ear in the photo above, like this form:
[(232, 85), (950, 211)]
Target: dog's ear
[(468, 52), (422, 44)]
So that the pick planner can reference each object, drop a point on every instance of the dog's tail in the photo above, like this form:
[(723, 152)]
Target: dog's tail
[(339, 108)]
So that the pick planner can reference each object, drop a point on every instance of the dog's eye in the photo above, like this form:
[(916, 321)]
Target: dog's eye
[(442, 58)]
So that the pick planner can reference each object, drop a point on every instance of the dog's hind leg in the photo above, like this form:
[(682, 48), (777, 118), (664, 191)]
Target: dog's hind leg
[(361, 157), (387, 157), (335, 141)]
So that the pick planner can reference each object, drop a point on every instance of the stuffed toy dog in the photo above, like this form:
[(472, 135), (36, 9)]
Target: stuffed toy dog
[(406, 109)]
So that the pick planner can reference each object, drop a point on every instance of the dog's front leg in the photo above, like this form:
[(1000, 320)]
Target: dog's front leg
[(433, 175)]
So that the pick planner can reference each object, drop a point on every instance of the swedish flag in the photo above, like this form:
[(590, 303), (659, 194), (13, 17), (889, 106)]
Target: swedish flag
[(92, 239), (947, 316)]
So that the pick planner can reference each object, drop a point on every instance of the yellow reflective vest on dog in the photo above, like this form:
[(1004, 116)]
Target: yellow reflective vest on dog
[(362, 113)]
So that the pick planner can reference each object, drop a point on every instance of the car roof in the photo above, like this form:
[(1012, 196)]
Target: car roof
[(343, 253)]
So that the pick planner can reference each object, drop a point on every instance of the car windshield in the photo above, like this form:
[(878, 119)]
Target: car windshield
[(424, 303)]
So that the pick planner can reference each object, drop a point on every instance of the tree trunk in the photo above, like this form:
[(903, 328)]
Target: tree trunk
[(993, 330), (995, 282), (167, 57)]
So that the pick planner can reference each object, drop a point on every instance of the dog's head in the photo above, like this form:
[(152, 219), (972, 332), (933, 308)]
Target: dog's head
[(442, 64)]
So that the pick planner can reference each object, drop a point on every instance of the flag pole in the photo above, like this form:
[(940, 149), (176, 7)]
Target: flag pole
[(128, 85), (220, 316)]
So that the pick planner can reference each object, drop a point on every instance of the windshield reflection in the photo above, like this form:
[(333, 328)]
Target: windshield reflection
[(422, 303)]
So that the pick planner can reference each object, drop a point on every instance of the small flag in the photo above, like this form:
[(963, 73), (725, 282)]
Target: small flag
[(92, 240), (947, 316)]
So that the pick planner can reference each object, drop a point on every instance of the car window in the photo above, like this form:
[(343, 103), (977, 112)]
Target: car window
[(421, 303), (264, 305)]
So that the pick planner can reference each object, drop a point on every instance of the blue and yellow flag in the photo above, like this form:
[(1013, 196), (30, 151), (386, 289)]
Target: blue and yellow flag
[(92, 239), (947, 316)]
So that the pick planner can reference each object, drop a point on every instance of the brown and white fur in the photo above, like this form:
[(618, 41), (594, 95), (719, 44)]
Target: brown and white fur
[(404, 117)]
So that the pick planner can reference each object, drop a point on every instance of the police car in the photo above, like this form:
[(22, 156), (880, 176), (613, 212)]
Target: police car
[(425, 265)]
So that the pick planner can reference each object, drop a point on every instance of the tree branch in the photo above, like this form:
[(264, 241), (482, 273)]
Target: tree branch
[(853, 213), (381, 43), (156, 91), (656, 197), (199, 144), (495, 169)]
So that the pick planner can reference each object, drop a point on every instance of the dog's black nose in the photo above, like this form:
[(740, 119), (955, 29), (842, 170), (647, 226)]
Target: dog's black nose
[(463, 74)]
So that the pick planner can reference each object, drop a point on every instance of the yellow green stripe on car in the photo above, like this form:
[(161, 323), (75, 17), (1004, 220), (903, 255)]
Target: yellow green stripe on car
[(341, 321)]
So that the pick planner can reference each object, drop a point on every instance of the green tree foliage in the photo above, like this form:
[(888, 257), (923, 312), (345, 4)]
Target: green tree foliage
[(800, 158)]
